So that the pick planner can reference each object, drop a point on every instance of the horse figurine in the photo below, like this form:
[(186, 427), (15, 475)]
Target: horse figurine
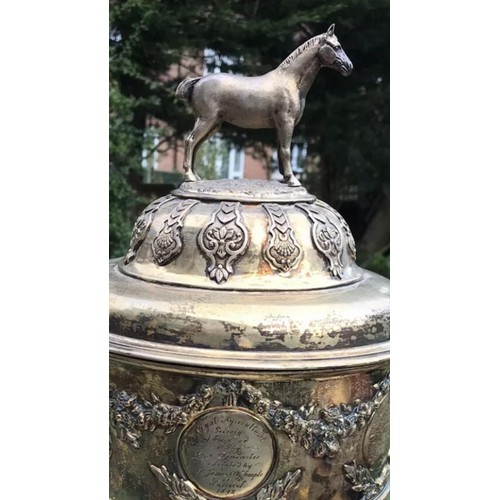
[(274, 100)]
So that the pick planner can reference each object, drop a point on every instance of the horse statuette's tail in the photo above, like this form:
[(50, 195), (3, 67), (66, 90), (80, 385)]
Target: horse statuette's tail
[(185, 88)]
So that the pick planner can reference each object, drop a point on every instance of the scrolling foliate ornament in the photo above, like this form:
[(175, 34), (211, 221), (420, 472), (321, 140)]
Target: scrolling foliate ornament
[(320, 431), (281, 489), (351, 245), (141, 227), (168, 242), (180, 489), (223, 241), (282, 251), (131, 415), (365, 481), (326, 237), (177, 488)]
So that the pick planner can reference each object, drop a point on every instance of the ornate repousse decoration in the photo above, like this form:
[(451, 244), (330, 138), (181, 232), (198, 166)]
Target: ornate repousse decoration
[(177, 488), (131, 415), (326, 237), (351, 245), (281, 489), (180, 489), (281, 251), (318, 430), (223, 241), (365, 481), (168, 242), (141, 227)]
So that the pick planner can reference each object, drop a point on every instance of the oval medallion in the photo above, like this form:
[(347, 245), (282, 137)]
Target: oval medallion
[(376, 442), (227, 452)]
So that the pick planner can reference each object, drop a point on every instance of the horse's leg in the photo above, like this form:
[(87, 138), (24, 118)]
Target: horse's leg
[(203, 129), (285, 132)]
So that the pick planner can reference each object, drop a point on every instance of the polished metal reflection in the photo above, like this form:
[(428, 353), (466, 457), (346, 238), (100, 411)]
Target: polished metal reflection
[(274, 100)]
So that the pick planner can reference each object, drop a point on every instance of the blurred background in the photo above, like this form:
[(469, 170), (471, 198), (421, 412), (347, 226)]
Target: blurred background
[(340, 149)]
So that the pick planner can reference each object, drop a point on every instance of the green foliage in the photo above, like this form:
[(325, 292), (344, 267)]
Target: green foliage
[(346, 120), (120, 196), (121, 152), (209, 153), (379, 264)]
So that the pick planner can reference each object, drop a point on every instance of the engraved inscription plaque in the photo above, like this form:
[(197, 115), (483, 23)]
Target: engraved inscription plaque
[(227, 452)]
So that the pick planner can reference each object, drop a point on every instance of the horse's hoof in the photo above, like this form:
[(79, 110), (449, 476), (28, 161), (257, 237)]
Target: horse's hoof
[(190, 177), (293, 181), (198, 178)]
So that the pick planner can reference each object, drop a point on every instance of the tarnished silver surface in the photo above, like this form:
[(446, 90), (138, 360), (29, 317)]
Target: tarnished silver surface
[(176, 487), (305, 414), (370, 484), (141, 227), (351, 245), (223, 241), (282, 489), (326, 237), (263, 361), (168, 243), (320, 431), (282, 251), (180, 489), (244, 190), (376, 443), (274, 100), (249, 352), (255, 313), (308, 241), (300, 324)]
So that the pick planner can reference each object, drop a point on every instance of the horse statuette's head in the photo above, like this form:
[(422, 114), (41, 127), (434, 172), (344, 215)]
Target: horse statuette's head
[(332, 55)]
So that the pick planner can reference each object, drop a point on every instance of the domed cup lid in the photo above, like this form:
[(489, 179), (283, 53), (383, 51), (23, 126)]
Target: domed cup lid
[(227, 272)]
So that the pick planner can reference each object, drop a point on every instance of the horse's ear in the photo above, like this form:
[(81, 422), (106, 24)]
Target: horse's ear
[(331, 29)]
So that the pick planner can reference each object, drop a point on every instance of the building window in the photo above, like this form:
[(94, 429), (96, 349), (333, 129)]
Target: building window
[(151, 140), (236, 163), (150, 155), (298, 158), (220, 159)]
